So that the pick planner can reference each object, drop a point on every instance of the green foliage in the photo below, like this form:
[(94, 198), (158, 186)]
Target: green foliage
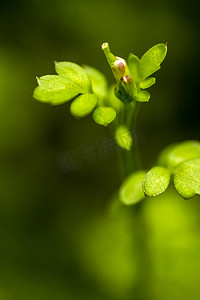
[(83, 105), (143, 96), (70, 82), (99, 83), (88, 89), (81, 84), (134, 66), (175, 154), (131, 191), (137, 72), (151, 60), (54, 89), (104, 115), (181, 162), (187, 178), (74, 73), (123, 137), (156, 181), (148, 82)]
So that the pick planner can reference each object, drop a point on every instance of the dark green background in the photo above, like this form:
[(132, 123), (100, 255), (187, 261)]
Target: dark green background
[(57, 240)]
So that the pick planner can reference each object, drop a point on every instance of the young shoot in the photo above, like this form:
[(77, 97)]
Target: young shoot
[(89, 93)]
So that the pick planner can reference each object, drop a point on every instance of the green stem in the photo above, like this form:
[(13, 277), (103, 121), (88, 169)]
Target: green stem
[(131, 158), (142, 286), (131, 163)]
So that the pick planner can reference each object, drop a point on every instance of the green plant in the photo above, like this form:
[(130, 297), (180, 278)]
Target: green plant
[(89, 92)]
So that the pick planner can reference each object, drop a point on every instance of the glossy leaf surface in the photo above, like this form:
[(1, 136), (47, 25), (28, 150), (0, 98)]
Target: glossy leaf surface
[(175, 154), (131, 189), (83, 105), (156, 181), (104, 115), (74, 73), (187, 178), (151, 60), (54, 89)]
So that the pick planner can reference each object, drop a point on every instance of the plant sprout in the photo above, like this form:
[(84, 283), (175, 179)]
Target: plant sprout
[(88, 91)]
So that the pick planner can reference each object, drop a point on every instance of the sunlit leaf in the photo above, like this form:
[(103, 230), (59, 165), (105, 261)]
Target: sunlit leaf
[(164, 156), (56, 89), (104, 115), (142, 96), (151, 60), (99, 82), (187, 178), (75, 73), (175, 154), (133, 64), (123, 137), (83, 105), (131, 191), (148, 82), (156, 181)]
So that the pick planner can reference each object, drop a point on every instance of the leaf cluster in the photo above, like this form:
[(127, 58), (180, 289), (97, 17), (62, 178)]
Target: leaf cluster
[(134, 77), (85, 86), (88, 90), (179, 163)]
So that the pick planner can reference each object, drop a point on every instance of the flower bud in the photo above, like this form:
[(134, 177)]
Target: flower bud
[(127, 80), (125, 89), (118, 65)]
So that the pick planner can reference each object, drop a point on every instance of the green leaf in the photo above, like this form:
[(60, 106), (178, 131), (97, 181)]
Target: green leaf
[(151, 60), (131, 191), (164, 156), (56, 89), (74, 73), (104, 115), (175, 154), (156, 181), (83, 105), (187, 178), (142, 96), (99, 83), (134, 64), (148, 82), (123, 137)]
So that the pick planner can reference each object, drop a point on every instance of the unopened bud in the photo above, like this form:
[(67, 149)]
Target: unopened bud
[(127, 79), (118, 65), (125, 89)]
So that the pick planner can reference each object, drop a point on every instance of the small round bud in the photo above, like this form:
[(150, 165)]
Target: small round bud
[(120, 65), (127, 79)]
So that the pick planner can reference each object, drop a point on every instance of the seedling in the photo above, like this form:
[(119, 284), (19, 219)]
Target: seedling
[(88, 90)]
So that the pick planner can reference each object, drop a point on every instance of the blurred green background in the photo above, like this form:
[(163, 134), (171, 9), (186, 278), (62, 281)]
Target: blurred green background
[(57, 240)]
